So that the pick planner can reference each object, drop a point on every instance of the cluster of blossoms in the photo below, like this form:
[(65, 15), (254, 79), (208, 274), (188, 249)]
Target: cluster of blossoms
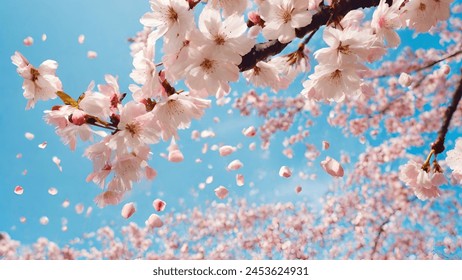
[(208, 57)]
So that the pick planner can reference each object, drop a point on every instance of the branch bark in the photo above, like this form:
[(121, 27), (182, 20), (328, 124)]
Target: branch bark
[(438, 145), (262, 51)]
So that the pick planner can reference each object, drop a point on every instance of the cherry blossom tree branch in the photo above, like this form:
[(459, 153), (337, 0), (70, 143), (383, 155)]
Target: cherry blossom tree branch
[(382, 228), (438, 145), (262, 51)]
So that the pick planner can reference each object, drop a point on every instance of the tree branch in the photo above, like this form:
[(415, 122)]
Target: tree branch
[(438, 145), (262, 51)]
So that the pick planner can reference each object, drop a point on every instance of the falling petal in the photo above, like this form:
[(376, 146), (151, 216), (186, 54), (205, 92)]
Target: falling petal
[(332, 167), (18, 190), (29, 136), (92, 54), (43, 145), (325, 145), (65, 203), (28, 41), (209, 180), (154, 221), (239, 180), (81, 39), (221, 192), (22, 219), (235, 165), (285, 172), (79, 208), (52, 191), (226, 150), (128, 210), (44, 37), (44, 220), (159, 205), (57, 161), (298, 189), (250, 131)]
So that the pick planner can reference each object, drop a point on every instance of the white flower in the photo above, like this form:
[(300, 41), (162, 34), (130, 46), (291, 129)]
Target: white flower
[(282, 17), (39, 83), (225, 36), (211, 71), (177, 113), (332, 83)]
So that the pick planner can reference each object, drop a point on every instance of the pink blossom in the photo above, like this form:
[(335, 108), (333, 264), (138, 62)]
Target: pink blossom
[(223, 36), (81, 39), (159, 205), (424, 184), (283, 17), (221, 192), (92, 54), (405, 80), (128, 210), (298, 189), (108, 198), (177, 113), (385, 20), (39, 83), (264, 74), (454, 159), (29, 136), (230, 7), (44, 220), (332, 167), (325, 145)]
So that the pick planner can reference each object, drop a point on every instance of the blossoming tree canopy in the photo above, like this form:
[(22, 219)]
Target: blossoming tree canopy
[(191, 52)]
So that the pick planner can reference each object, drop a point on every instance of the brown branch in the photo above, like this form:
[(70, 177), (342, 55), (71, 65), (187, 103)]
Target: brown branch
[(262, 51), (382, 228), (438, 145)]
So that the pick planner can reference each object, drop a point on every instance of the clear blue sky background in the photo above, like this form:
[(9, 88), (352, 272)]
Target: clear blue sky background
[(107, 25)]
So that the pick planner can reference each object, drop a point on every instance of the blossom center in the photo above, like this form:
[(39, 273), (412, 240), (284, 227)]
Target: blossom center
[(219, 40), (422, 7), (172, 14), (286, 15), (343, 49), (133, 128), (35, 73), (336, 75), (207, 65)]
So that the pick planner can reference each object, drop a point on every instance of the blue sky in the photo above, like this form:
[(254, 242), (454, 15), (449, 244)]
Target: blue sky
[(107, 25)]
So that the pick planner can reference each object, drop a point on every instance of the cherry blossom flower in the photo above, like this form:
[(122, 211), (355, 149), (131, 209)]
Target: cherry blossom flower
[(425, 184), (239, 180), (332, 83), (108, 197), (229, 7), (421, 15), (454, 160), (405, 80), (224, 36), (265, 74), (212, 71), (332, 167), (348, 46), (39, 83), (177, 112), (136, 128), (385, 20), (171, 18), (250, 131), (283, 17)]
